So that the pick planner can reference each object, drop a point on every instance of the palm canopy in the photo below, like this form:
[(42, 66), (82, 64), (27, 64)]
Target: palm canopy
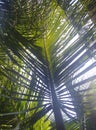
[(46, 50)]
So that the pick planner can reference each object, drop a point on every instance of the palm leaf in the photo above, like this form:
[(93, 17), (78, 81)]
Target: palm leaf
[(46, 50)]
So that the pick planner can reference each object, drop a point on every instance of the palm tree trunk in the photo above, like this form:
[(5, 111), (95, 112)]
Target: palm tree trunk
[(57, 113), (56, 106)]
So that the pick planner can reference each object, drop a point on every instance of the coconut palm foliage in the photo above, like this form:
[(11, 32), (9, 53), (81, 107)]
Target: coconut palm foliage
[(47, 56)]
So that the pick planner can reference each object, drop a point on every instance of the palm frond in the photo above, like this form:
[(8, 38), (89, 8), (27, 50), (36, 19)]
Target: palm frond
[(47, 52)]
